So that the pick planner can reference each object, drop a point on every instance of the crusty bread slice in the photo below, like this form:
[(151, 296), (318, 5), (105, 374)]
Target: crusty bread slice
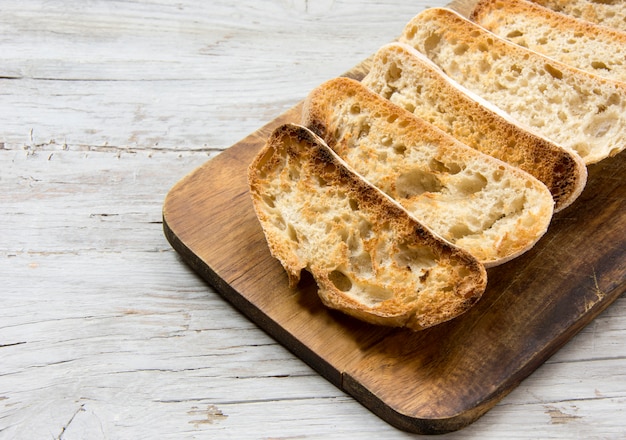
[(481, 204), (571, 107), (369, 257), (597, 49), (610, 13), (409, 79)]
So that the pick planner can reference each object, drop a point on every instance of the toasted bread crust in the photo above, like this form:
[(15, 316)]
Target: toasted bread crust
[(481, 204), (409, 79), (369, 257), (606, 13), (597, 49), (571, 107)]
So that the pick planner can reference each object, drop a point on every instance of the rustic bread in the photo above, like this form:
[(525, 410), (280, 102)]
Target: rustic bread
[(409, 79), (480, 204), (571, 107), (610, 13), (596, 49), (369, 257)]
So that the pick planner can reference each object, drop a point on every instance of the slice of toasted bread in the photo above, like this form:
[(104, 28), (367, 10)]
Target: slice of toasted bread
[(481, 204), (369, 257), (409, 79), (597, 49), (571, 107), (610, 13)]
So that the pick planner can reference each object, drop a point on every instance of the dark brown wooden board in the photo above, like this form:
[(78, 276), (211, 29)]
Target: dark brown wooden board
[(438, 380)]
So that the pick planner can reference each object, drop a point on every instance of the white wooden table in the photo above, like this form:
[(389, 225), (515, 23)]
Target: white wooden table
[(104, 331)]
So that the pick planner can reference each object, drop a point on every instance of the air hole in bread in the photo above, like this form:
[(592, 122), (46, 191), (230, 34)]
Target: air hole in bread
[(386, 141), (408, 106), (294, 174), (614, 99), (459, 231), (417, 182), (399, 149), (484, 66), (414, 258), (498, 175), (582, 148), (354, 205), (365, 229), (599, 65), (394, 73), (321, 181), (431, 42), (340, 280), (269, 200), (472, 184), (279, 222), (291, 233), (440, 167), (355, 109), (553, 71), (392, 118), (364, 130), (514, 34), (461, 49), (372, 295), (263, 161), (599, 126), (362, 263)]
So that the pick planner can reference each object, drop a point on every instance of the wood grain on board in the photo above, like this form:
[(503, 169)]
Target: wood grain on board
[(433, 381)]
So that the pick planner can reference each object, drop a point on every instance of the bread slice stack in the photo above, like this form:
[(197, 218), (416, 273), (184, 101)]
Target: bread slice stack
[(369, 257), (573, 108), (407, 78), (609, 13), (449, 157), (597, 49), (491, 209)]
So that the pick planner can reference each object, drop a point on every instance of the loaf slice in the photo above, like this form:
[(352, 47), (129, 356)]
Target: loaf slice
[(478, 203), (409, 79), (611, 13), (369, 257), (571, 107), (579, 43)]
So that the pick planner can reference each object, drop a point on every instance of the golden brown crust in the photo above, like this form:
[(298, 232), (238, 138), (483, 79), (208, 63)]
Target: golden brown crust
[(370, 258), (607, 13), (489, 208), (400, 73), (599, 50), (571, 107)]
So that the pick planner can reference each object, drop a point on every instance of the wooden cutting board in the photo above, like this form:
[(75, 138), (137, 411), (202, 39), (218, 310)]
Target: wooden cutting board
[(437, 380)]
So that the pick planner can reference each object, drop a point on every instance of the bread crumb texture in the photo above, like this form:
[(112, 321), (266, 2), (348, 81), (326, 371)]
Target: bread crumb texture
[(597, 49), (570, 107), (481, 204), (369, 258), (610, 13), (408, 79)]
